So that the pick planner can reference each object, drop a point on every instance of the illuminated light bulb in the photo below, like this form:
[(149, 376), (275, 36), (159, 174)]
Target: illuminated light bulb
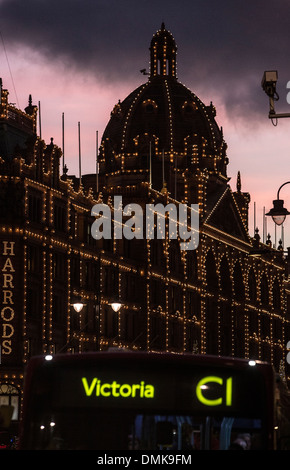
[(48, 357), (252, 363), (78, 306), (116, 306)]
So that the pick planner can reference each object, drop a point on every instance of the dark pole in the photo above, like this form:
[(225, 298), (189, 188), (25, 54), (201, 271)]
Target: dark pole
[(287, 182), (80, 157), (98, 307), (98, 321), (63, 142)]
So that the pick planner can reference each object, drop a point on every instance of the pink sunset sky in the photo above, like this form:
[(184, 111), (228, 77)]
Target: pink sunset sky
[(80, 57)]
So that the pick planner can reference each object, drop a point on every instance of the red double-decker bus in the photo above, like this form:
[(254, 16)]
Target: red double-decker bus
[(148, 401)]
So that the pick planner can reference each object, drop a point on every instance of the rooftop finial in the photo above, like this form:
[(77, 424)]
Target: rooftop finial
[(163, 54), (239, 184)]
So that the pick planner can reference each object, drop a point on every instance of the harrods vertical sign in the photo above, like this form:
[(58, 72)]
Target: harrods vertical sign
[(9, 299)]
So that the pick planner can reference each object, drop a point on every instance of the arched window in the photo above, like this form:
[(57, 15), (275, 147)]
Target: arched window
[(10, 396), (159, 67)]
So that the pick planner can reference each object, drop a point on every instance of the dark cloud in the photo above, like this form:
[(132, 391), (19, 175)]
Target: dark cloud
[(223, 46)]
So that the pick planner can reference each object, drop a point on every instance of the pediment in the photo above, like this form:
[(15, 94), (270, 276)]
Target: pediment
[(226, 217)]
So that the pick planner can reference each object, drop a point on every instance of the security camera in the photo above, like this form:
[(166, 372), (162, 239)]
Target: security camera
[(269, 81)]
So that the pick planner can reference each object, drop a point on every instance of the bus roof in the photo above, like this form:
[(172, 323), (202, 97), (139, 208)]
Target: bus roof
[(124, 355)]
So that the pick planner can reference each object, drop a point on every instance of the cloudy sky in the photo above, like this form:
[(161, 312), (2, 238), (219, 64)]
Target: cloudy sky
[(79, 57)]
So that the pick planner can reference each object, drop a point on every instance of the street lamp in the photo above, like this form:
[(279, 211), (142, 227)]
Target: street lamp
[(78, 306), (116, 305), (278, 211)]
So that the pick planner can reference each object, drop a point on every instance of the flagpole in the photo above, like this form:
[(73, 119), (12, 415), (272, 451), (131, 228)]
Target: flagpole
[(163, 166), (150, 166), (175, 180), (63, 142), (39, 119), (97, 164), (80, 167)]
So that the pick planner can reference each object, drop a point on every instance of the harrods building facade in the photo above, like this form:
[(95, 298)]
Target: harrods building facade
[(161, 145)]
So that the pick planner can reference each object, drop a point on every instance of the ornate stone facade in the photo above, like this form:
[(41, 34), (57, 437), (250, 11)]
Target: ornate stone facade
[(161, 145)]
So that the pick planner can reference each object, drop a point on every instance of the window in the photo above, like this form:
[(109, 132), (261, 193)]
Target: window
[(276, 295), (33, 307), (73, 220), (91, 276), (226, 283), (131, 326), (75, 271), (252, 286), (175, 299), (264, 291), (10, 396), (191, 265), (59, 266), (59, 217), (35, 207), (238, 283), (149, 106), (175, 333), (110, 323), (175, 263), (157, 255), (157, 293), (58, 307), (33, 259), (211, 274)]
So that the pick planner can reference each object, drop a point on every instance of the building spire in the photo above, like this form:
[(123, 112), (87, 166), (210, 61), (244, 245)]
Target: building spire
[(163, 54), (239, 184)]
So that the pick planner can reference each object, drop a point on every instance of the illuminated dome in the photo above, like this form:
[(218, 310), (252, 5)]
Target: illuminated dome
[(166, 116)]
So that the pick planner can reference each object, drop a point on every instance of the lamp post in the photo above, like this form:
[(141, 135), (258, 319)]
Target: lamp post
[(278, 211), (269, 82), (78, 306), (116, 307)]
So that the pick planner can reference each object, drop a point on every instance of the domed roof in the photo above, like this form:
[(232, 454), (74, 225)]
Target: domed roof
[(164, 109)]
